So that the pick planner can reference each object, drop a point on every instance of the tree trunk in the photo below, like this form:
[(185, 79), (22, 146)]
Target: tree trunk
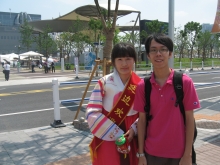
[(61, 53), (107, 49), (203, 55), (211, 53)]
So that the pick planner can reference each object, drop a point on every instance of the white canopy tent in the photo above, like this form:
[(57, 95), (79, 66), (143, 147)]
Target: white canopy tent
[(31, 53), (28, 56), (9, 57), (12, 58)]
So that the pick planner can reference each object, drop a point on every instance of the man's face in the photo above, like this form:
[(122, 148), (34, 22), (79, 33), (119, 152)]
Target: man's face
[(159, 55)]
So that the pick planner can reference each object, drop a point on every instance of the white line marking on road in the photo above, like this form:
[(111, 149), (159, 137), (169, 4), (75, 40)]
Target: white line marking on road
[(2, 88), (210, 98), (215, 77), (87, 91), (49, 109), (208, 87)]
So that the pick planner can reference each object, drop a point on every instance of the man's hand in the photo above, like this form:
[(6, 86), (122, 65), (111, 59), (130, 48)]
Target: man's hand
[(142, 161), (185, 160), (129, 134)]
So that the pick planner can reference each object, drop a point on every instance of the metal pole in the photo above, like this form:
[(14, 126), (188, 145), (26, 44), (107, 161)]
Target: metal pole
[(56, 104), (62, 64), (212, 65), (77, 71), (202, 65), (139, 15), (187, 72), (191, 66), (180, 66), (171, 29)]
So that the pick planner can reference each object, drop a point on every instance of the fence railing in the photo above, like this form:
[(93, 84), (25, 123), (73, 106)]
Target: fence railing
[(177, 65), (56, 100)]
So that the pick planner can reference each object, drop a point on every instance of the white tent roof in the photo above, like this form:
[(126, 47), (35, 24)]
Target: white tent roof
[(84, 13), (91, 10), (129, 26), (12, 56), (31, 53), (8, 57), (2, 57)]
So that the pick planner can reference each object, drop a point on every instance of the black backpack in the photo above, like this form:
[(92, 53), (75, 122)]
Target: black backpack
[(178, 87)]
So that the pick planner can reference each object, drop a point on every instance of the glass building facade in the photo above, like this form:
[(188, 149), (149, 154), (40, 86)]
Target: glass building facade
[(207, 27), (9, 30)]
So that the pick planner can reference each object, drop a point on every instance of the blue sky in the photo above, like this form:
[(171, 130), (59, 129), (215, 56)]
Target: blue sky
[(202, 11)]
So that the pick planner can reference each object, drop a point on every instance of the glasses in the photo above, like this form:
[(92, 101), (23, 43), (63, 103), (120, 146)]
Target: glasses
[(162, 51)]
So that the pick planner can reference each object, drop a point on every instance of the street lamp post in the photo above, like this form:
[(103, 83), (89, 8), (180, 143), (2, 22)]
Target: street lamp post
[(171, 28)]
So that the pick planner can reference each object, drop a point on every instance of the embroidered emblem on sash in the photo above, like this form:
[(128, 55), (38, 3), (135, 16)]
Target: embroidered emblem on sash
[(118, 112), (126, 100)]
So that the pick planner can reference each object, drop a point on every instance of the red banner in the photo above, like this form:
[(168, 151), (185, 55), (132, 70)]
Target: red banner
[(216, 26)]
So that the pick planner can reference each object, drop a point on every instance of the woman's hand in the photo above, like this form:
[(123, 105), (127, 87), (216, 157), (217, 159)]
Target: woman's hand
[(129, 134)]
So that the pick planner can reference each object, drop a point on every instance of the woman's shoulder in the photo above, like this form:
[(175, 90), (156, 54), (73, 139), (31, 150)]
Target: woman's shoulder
[(107, 78)]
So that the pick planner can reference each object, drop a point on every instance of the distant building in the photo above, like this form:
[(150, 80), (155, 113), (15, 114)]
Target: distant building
[(207, 27), (9, 30), (143, 26)]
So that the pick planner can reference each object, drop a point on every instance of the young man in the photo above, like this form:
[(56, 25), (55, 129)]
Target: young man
[(166, 140)]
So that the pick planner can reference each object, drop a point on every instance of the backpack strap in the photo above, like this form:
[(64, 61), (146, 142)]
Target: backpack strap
[(178, 87), (147, 98)]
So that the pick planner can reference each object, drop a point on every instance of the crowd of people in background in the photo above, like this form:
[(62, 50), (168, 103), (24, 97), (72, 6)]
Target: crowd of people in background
[(49, 67)]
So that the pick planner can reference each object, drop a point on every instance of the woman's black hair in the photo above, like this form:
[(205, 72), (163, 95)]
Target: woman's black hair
[(160, 38), (123, 50)]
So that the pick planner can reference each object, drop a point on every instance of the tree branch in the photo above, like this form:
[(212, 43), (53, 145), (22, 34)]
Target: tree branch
[(109, 9), (115, 14), (100, 14)]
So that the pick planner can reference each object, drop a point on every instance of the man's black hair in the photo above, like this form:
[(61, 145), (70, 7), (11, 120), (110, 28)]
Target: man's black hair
[(160, 38)]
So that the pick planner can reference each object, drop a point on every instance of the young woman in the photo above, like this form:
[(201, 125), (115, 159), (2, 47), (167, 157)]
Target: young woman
[(110, 111)]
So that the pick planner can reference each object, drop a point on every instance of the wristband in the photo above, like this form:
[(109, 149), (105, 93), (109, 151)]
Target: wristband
[(140, 155)]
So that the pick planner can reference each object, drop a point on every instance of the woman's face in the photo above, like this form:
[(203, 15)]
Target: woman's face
[(124, 65)]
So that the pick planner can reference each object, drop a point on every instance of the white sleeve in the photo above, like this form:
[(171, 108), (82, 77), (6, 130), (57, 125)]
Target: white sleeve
[(134, 126)]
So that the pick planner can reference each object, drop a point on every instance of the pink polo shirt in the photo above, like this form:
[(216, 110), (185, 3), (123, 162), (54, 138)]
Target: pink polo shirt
[(166, 130)]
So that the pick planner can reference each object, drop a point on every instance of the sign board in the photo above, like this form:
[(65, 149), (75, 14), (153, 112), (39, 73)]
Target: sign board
[(89, 59)]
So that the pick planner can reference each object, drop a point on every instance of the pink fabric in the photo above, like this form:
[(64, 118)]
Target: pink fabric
[(107, 153), (99, 125), (166, 130), (116, 98)]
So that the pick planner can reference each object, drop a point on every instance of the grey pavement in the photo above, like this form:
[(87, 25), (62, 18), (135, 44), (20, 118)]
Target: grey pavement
[(69, 146)]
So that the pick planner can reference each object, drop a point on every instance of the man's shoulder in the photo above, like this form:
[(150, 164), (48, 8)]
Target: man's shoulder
[(141, 84), (186, 79)]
